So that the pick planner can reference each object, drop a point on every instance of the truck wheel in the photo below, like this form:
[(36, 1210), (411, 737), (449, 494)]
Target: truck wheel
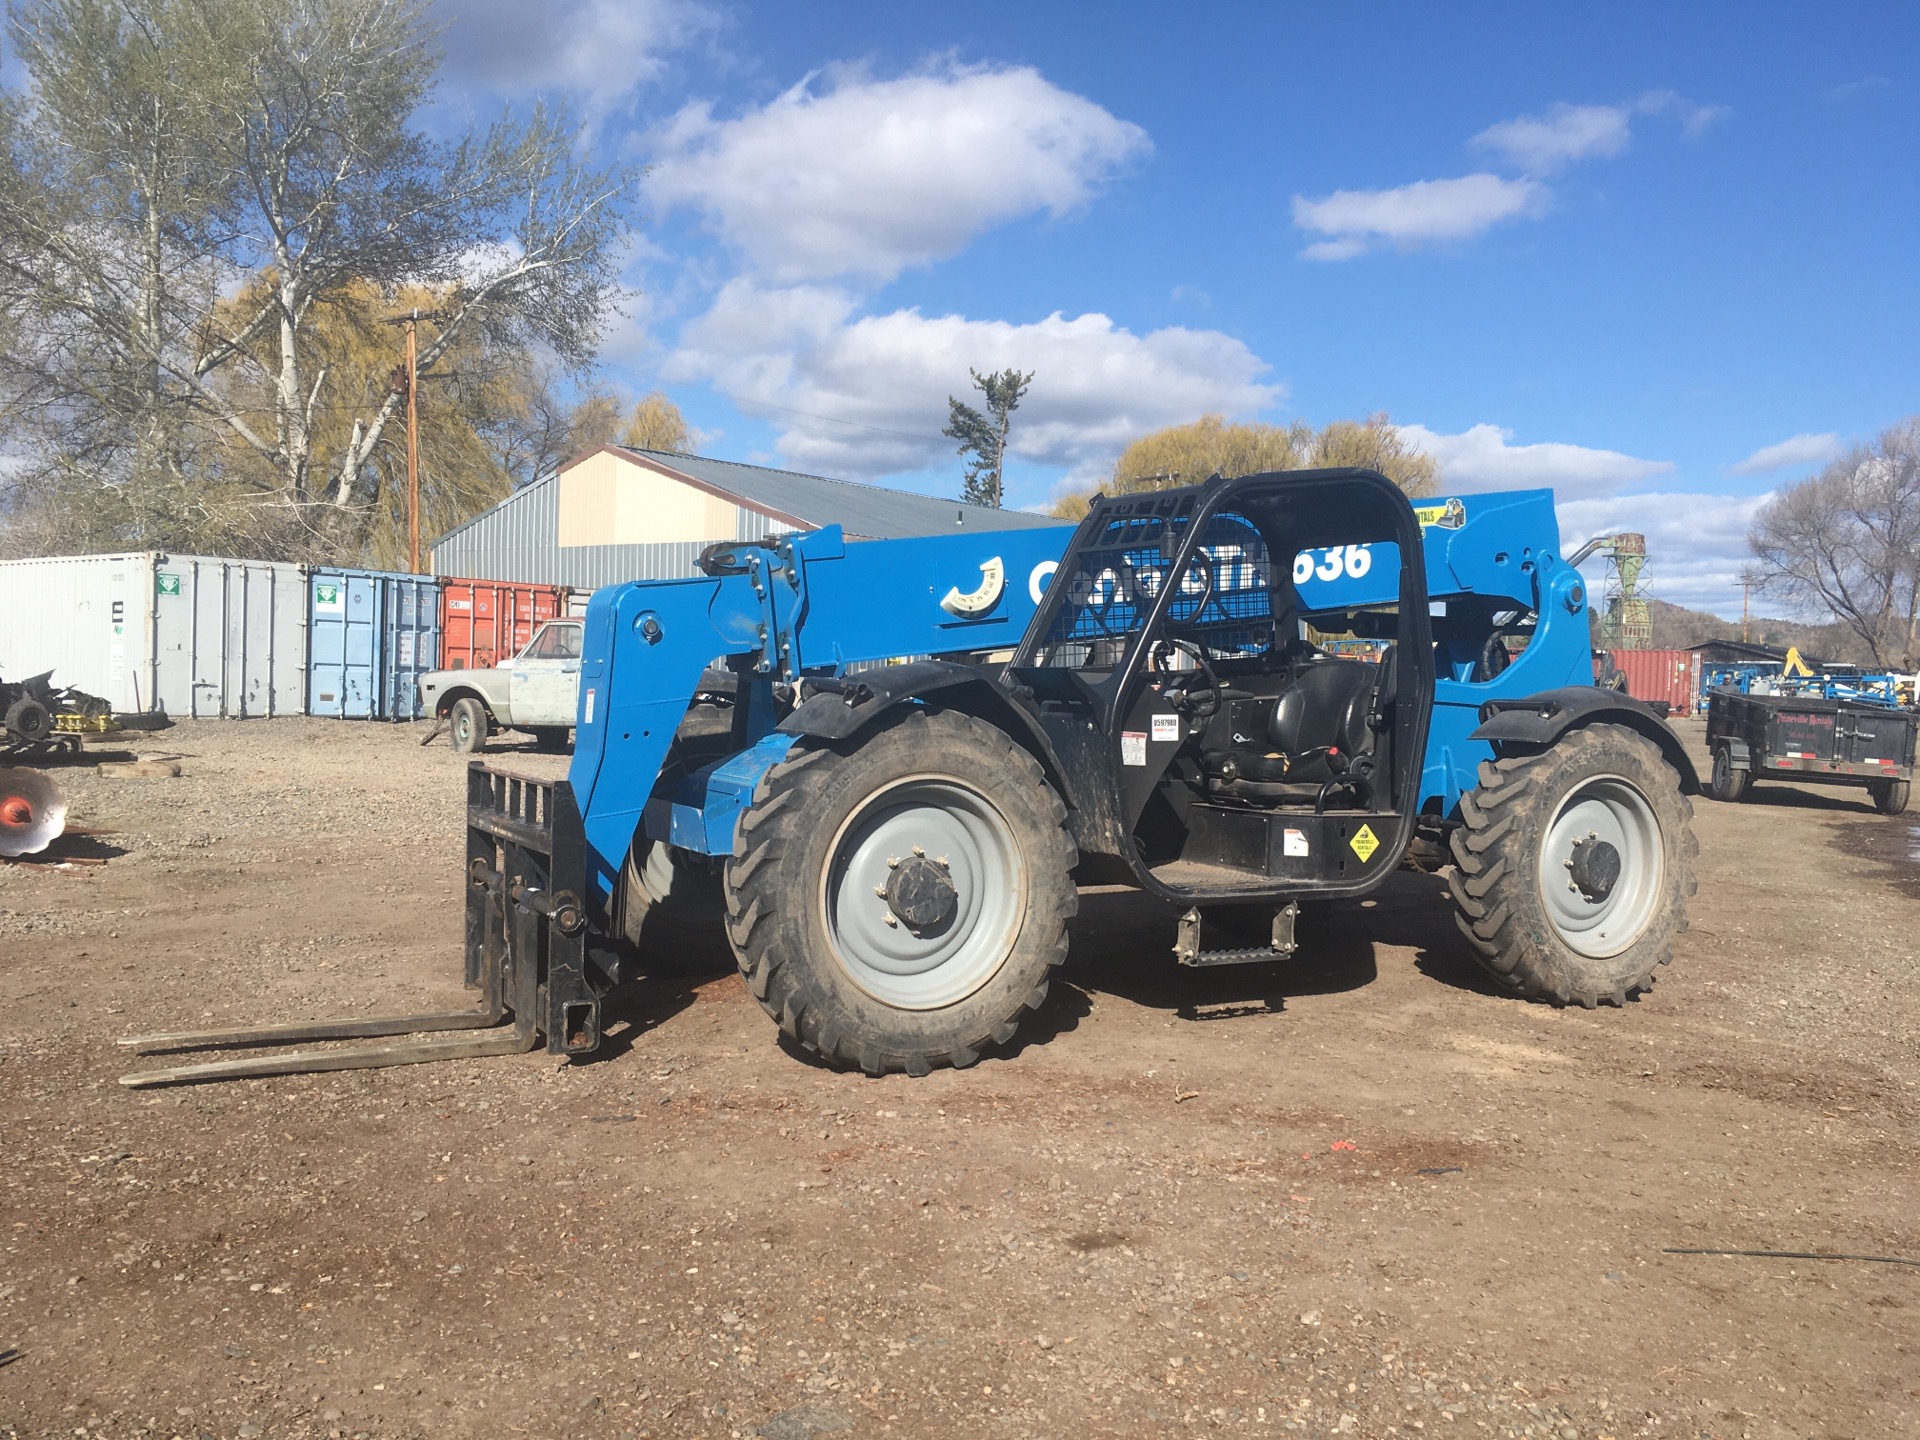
[(1890, 796), (1727, 783), (1573, 867), (468, 722), (899, 901)]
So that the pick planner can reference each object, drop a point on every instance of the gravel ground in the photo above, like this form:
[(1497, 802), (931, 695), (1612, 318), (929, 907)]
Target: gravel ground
[(1356, 1194)]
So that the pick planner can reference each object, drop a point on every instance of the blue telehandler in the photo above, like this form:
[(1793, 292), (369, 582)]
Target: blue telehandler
[(815, 746)]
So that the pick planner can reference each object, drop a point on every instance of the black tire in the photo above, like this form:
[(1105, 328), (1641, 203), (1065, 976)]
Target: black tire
[(468, 723), (669, 891), (550, 737), (813, 825), (1517, 821), (1727, 783), (28, 720), (1889, 796)]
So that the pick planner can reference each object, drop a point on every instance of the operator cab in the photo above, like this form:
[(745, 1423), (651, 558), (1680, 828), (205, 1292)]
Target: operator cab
[(1222, 751)]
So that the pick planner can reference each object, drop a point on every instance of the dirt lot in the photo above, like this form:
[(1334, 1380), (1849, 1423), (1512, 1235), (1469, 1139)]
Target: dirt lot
[(1357, 1194)]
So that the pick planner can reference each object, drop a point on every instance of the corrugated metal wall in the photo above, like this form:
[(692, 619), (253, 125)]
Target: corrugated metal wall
[(518, 540), (230, 637), (1669, 675), (373, 634), (197, 635)]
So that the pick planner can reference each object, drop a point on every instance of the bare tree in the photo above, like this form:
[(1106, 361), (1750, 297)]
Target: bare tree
[(271, 147), (1848, 541)]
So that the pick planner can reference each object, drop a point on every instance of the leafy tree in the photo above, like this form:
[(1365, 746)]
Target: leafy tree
[(1847, 541), (1188, 454), (984, 437), (271, 139), (656, 424)]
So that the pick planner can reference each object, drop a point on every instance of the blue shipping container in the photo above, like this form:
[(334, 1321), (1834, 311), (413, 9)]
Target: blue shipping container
[(371, 636)]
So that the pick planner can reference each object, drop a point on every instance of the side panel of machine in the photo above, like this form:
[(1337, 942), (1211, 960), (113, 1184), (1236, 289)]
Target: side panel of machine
[(1496, 547), (809, 602)]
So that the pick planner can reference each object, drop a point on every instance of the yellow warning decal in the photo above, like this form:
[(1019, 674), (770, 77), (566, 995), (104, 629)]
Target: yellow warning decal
[(1365, 842)]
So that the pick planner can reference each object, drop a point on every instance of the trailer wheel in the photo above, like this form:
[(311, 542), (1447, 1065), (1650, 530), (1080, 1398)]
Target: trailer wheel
[(468, 722), (1890, 796), (1573, 867), (1727, 783), (899, 901), (28, 720)]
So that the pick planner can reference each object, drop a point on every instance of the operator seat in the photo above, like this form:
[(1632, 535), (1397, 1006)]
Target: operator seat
[(1331, 717)]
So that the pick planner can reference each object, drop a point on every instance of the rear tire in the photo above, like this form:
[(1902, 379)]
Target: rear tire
[(1890, 796), (899, 901), (468, 722), (1573, 867), (1727, 783)]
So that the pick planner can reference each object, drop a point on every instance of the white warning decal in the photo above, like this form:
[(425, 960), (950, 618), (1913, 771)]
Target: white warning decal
[(1133, 747)]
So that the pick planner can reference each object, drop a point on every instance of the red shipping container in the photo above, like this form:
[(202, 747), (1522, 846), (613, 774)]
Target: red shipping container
[(483, 622), (1669, 675)]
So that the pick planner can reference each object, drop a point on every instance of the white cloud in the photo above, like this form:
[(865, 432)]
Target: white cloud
[(1795, 450), (1696, 544), (1542, 144), (1485, 458), (602, 50), (1410, 215), (796, 354), (868, 177)]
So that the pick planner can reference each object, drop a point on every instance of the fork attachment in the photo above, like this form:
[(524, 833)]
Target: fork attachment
[(526, 953)]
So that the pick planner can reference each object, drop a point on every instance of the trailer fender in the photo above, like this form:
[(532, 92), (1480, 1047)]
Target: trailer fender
[(842, 707), (1536, 721), (1738, 756)]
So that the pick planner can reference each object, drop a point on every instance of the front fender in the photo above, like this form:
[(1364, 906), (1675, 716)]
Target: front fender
[(1536, 721), (843, 706)]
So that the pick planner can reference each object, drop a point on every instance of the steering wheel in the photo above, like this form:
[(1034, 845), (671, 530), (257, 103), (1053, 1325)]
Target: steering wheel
[(1180, 688)]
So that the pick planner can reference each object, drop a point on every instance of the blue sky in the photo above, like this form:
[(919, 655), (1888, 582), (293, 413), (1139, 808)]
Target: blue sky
[(1657, 256)]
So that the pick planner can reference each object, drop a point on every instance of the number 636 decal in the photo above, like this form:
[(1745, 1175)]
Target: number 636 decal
[(1352, 561)]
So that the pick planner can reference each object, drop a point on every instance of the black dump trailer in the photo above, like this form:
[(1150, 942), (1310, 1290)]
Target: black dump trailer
[(1810, 741)]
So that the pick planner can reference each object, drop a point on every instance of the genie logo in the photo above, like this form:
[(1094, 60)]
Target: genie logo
[(981, 600)]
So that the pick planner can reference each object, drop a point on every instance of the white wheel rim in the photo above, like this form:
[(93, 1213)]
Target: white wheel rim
[(943, 834), (1599, 920)]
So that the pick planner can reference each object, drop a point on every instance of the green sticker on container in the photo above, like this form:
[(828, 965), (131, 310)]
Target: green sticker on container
[(326, 595), (165, 583)]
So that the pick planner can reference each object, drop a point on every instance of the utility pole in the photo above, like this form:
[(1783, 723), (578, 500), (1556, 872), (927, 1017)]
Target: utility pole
[(405, 380), (413, 444)]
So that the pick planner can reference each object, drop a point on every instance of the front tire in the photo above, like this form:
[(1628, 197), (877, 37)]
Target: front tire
[(468, 722), (1573, 867), (1727, 783), (899, 901), (1890, 796)]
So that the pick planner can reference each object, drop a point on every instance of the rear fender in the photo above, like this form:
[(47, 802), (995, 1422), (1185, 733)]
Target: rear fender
[(845, 706), (1534, 722)]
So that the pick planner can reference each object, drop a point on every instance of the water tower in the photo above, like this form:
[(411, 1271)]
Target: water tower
[(1626, 620)]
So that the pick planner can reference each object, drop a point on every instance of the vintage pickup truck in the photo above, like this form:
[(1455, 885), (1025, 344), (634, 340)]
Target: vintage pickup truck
[(537, 691)]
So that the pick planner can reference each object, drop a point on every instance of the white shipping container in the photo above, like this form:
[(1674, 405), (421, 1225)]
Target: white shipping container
[(197, 635)]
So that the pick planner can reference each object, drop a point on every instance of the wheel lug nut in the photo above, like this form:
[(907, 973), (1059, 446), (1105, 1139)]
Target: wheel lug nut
[(921, 851), (881, 891), (892, 920), (941, 861), (893, 862)]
